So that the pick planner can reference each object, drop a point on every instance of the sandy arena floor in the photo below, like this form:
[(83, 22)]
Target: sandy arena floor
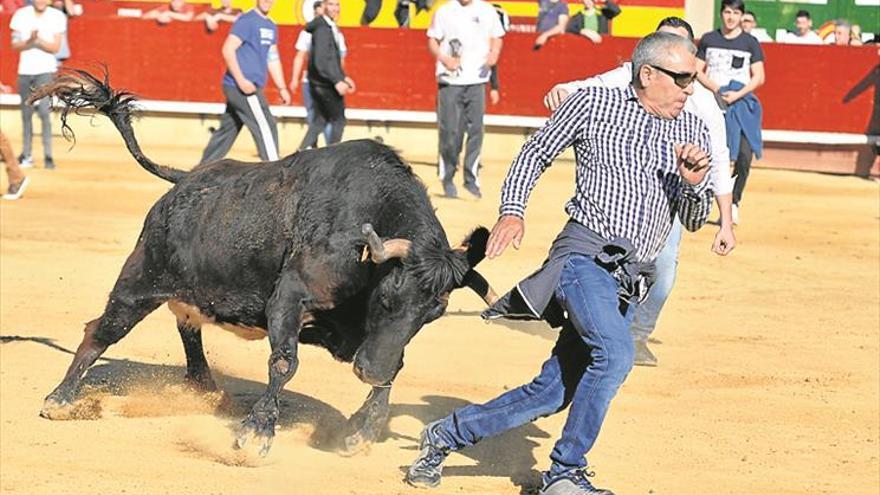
[(768, 378)]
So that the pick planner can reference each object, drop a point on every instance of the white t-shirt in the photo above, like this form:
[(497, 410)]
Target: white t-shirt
[(702, 104), (304, 44), (811, 38), (48, 24), (472, 26)]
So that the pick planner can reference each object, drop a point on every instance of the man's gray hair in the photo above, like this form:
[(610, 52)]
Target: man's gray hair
[(654, 49)]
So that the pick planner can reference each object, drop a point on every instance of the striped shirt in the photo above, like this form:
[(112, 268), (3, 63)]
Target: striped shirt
[(628, 183)]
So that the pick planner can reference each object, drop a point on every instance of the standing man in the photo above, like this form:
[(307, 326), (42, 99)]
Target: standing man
[(328, 83), (702, 104), (37, 31), (250, 51), (730, 63), (465, 38), (639, 163)]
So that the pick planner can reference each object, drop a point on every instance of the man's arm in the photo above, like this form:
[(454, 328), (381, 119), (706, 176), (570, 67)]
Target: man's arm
[(615, 78), (556, 30), (276, 72), (322, 46), (536, 155), (451, 63), (703, 77), (230, 45), (299, 61), (695, 200), (495, 45), (708, 110)]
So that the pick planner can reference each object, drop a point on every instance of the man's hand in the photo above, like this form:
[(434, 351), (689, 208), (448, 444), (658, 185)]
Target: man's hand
[(293, 86), (351, 86), (246, 87), (285, 95), (342, 87), (725, 241), (508, 228), (731, 96), (555, 97), (693, 163), (494, 96), (451, 63)]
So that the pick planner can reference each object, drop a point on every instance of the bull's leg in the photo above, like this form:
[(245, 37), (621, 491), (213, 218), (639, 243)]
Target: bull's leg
[(284, 314), (134, 297), (367, 424), (197, 371)]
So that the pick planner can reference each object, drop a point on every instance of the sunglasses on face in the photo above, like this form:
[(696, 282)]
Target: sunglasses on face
[(682, 79)]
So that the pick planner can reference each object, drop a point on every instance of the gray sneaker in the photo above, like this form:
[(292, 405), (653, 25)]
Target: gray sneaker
[(643, 356), (427, 469), (572, 483), (25, 161), (449, 190), (474, 190)]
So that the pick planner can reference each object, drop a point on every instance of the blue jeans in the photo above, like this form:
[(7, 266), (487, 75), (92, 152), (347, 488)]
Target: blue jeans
[(591, 359), (646, 315), (310, 111)]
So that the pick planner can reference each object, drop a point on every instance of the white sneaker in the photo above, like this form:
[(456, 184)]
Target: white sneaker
[(735, 214), (16, 191), (25, 161)]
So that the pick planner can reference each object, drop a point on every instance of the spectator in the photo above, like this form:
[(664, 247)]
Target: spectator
[(328, 83), (465, 38), (250, 51), (69, 9), (592, 22), (213, 17), (843, 35), (750, 26), (18, 182), (175, 10), (552, 19), (300, 61), (734, 67), (37, 31), (803, 34)]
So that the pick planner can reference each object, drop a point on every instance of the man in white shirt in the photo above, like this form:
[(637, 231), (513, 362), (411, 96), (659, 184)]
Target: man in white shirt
[(804, 34), (465, 38), (36, 32), (701, 103)]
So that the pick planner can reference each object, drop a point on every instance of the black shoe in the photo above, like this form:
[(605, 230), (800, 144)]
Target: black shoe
[(427, 469), (474, 190), (449, 190), (572, 483), (644, 356), (49, 164)]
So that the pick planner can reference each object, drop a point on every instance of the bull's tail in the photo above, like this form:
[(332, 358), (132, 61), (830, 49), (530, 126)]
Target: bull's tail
[(79, 91)]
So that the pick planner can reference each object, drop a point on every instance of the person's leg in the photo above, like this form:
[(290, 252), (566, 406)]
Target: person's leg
[(475, 108), (335, 116), (25, 89), (223, 138), (253, 110), (44, 110), (319, 119), (589, 294), (13, 171), (741, 169), (450, 134), (645, 318)]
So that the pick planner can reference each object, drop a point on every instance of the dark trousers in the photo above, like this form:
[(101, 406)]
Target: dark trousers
[(460, 111), (741, 168), (329, 108), (244, 110)]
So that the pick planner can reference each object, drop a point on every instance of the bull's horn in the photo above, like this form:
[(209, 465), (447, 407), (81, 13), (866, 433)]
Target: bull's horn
[(480, 285), (381, 252)]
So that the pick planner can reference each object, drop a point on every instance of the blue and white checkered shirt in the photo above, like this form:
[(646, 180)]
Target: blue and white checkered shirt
[(628, 183)]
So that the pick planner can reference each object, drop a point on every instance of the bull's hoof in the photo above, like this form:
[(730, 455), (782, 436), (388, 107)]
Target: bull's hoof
[(250, 438), (354, 444), (59, 410)]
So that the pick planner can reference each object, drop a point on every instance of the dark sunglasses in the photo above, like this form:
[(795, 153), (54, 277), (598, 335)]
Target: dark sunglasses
[(682, 79)]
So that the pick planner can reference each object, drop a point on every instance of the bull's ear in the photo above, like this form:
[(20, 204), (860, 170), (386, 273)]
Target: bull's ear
[(475, 245)]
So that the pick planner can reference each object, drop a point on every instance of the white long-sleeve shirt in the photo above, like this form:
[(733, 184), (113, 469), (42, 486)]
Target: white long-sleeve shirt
[(702, 104)]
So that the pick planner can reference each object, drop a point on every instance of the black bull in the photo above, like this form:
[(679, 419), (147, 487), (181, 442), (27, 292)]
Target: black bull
[(288, 249)]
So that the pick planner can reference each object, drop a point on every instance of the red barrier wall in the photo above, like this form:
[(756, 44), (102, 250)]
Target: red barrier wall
[(832, 89)]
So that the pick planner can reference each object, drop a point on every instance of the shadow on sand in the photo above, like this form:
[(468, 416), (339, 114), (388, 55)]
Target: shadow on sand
[(508, 455)]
